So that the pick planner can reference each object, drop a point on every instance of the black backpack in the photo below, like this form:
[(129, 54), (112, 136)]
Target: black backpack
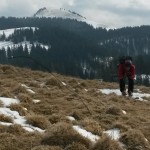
[(124, 58)]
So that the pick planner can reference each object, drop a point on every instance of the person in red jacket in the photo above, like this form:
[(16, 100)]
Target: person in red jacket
[(126, 69)]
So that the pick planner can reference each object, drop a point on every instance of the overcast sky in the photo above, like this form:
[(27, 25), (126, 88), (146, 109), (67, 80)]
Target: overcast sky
[(113, 13)]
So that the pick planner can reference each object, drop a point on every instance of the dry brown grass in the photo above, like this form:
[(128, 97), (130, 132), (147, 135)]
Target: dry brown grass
[(4, 118), (113, 110), (6, 93), (53, 82), (76, 146), (63, 135), (58, 101), (55, 118), (144, 89), (34, 84), (91, 126), (9, 142), (18, 108), (19, 90), (47, 148), (134, 140), (15, 130), (106, 143), (8, 69), (77, 115), (38, 121), (25, 98)]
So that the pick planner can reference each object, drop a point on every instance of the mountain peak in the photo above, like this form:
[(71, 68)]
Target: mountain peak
[(65, 14), (58, 13)]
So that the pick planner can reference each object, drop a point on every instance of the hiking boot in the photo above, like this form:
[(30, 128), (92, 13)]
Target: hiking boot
[(124, 93), (130, 94)]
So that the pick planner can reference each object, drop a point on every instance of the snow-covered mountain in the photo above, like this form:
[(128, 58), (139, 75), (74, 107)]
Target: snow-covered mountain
[(58, 13), (65, 14), (5, 44)]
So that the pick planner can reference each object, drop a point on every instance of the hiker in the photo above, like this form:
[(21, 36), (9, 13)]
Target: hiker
[(126, 70)]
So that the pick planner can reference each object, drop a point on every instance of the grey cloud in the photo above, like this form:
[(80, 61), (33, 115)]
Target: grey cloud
[(110, 12)]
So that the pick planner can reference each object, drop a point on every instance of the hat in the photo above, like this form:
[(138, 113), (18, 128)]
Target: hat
[(128, 63)]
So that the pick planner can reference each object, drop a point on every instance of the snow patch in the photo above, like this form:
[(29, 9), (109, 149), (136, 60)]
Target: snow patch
[(30, 91), (17, 119), (28, 88), (15, 116), (137, 96), (113, 133), (86, 90), (36, 101), (8, 101), (64, 83), (71, 118), (93, 138), (124, 112), (8, 32)]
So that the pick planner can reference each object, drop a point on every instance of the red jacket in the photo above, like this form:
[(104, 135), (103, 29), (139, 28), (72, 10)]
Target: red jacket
[(122, 72)]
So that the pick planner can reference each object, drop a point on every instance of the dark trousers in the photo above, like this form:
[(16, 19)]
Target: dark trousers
[(130, 85)]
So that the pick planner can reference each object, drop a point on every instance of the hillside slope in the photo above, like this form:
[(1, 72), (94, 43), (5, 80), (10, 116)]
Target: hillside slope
[(55, 112)]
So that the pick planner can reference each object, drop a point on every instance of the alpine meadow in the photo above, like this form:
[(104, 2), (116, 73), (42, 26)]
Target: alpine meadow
[(63, 76)]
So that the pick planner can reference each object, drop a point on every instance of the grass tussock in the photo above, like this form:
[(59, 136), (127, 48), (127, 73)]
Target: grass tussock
[(8, 69), (43, 147), (53, 82), (15, 130), (19, 90), (25, 98), (9, 142), (106, 143), (76, 146), (113, 110), (4, 118), (91, 126), (134, 140), (55, 118), (18, 108), (121, 126), (63, 135), (34, 84), (6, 93), (38, 121), (77, 115), (73, 81), (144, 89)]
